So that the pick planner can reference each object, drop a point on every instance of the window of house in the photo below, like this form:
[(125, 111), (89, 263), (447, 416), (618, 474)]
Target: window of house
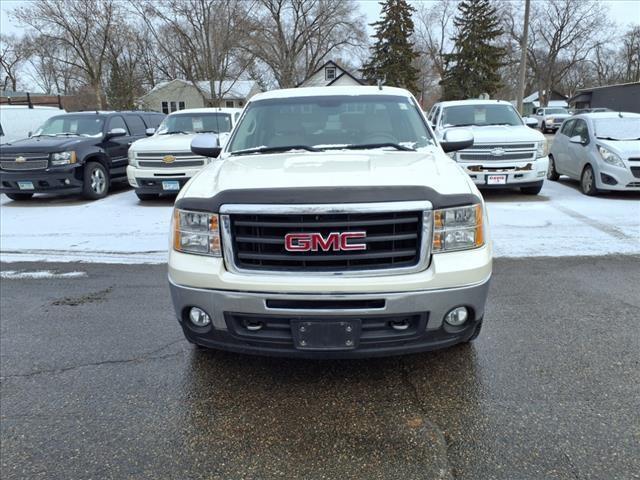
[(174, 106), (181, 106), (165, 108), (330, 73), (229, 103)]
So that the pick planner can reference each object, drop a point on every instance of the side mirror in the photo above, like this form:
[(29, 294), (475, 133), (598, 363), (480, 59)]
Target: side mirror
[(223, 138), (115, 132), (457, 139), (577, 139), (530, 122), (150, 131), (29, 134), (206, 145)]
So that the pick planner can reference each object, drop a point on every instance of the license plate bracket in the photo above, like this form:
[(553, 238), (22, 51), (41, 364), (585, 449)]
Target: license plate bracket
[(26, 186), (327, 334), (496, 179), (171, 185)]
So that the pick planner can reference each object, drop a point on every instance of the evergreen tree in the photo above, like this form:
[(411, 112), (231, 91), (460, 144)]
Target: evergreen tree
[(392, 55), (473, 67)]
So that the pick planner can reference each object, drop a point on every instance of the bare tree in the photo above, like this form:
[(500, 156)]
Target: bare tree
[(84, 27), (50, 65), (202, 38), (12, 57), (295, 37), (630, 54), (563, 34)]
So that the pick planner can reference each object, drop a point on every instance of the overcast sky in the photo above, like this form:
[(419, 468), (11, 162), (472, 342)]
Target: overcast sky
[(623, 12)]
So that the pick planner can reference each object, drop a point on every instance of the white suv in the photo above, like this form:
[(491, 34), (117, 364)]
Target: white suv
[(163, 163), (334, 226), (506, 153)]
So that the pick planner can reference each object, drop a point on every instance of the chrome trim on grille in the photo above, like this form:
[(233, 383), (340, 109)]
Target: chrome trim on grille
[(26, 165), (326, 209), (498, 152)]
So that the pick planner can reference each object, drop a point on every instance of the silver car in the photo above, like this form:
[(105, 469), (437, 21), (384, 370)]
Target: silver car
[(602, 150)]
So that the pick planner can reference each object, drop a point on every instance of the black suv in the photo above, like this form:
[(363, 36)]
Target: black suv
[(73, 153)]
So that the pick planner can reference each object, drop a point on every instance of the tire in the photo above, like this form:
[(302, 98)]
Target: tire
[(535, 190), (552, 173), (144, 197), (96, 181), (19, 197), (588, 182), (542, 129), (476, 333)]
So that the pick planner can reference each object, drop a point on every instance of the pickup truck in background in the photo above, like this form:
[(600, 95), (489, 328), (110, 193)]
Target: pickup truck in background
[(334, 226), (163, 163), (506, 153), (549, 119)]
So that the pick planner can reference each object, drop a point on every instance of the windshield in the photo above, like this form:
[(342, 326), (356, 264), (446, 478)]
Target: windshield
[(480, 115), (76, 125), (617, 128), (551, 111), (331, 122), (195, 123)]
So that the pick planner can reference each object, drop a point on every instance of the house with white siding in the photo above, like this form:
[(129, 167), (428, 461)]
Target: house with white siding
[(179, 94), (331, 74)]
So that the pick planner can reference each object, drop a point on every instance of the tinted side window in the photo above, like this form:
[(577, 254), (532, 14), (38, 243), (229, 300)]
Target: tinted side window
[(567, 127), (136, 125), (153, 120), (581, 129), (117, 122)]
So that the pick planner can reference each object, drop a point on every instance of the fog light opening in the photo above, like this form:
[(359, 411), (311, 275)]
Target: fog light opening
[(67, 181), (457, 316), (399, 324), (253, 325), (199, 317)]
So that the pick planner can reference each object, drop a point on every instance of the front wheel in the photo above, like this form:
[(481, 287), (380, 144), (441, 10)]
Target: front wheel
[(552, 173), (19, 197), (96, 181), (534, 190), (588, 182)]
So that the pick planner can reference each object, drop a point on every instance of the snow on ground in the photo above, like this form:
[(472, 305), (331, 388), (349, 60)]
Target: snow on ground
[(119, 229)]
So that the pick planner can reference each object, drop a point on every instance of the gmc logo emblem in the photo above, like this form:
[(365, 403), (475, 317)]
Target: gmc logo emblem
[(336, 241)]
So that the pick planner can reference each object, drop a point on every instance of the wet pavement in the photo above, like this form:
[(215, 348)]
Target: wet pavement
[(97, 382)]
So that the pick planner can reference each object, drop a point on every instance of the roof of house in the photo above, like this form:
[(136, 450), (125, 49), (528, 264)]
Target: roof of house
[(329, 63), (230, 88), (582, 90), (535, 96)]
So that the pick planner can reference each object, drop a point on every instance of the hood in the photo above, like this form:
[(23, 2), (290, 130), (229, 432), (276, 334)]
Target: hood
[(558, 115), (177, 142), (624, 148), (501, 134), (44, 144), (331, 169)]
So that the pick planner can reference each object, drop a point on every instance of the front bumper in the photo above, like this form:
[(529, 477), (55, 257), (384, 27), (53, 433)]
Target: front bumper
[(52, 180), (517, 174), (146, 180), (423, 311), (610, 177)]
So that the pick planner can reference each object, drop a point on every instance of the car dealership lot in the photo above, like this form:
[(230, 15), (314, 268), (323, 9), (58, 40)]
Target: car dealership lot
[(560, 221), (98, 382)]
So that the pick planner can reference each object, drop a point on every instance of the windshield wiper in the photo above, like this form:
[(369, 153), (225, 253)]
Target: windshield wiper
[(618, 139), (176, 131), (207, 131), (275, 149), (66, 133), (366, 146), (499, 123), (460, 125)]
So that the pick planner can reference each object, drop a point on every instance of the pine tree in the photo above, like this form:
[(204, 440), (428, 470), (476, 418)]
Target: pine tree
[(473, 67), (392, 55)]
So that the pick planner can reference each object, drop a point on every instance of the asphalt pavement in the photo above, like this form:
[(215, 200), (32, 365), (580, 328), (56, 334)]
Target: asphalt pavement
[(98, 383)]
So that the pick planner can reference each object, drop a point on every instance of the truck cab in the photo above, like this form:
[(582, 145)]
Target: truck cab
[(506, 153), (163, 163)]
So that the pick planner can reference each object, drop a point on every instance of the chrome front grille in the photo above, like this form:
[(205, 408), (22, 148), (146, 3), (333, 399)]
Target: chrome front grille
[(499, 152), (397, 239), (24, 161), (158, 160)]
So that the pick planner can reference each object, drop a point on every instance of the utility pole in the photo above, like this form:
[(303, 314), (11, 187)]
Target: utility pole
[(523, 57)]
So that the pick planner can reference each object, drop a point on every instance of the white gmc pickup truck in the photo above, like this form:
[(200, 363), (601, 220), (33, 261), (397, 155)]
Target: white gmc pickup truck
[(506, 153), (333, 224)]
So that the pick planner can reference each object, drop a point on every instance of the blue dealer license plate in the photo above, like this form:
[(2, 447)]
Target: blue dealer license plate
[(171, 185), (25, 185)]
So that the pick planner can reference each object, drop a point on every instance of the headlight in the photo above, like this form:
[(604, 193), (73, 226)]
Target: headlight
[(458, 228), (63, 158), (549, 121), (132, 158), (452, 155), (610, 157), (196, 232), (542, 149)]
